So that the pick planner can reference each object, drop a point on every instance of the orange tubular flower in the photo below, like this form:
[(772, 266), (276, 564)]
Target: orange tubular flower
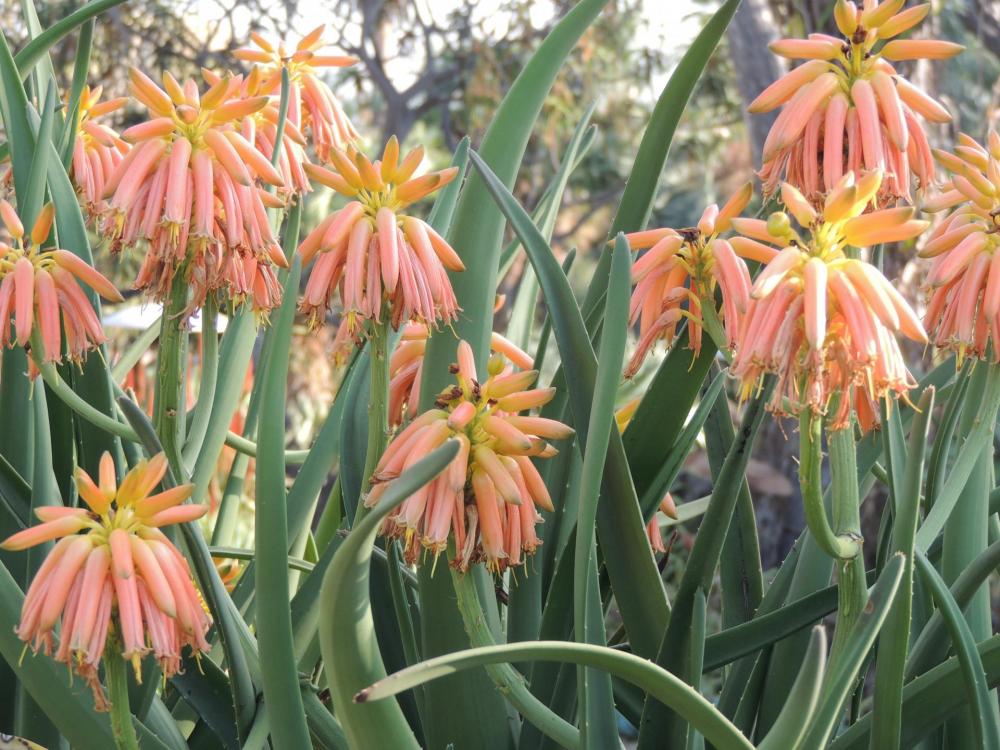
[(375, 253), (407, 362), (680, 273), (37, 285), (261, 129), (311, 103), (113, 570), (667, 508), (98, 149), (964, 309), (823, 321), (487, 497), (847, 108), (188, 189)]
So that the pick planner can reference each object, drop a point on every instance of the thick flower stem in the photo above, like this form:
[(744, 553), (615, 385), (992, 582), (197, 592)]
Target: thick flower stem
[(116, 677), (852, 588), (713, 326), (507, 679), (844, 545), (169, 407), (842, 540), (378, 404)]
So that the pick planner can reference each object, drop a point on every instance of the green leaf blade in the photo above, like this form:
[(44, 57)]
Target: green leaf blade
[(350, 652)]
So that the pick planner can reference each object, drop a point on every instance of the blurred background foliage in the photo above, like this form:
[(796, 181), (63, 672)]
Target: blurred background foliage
[(432, 71)]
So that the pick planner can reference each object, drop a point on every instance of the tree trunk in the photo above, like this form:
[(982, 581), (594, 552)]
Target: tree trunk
[(751, 30)]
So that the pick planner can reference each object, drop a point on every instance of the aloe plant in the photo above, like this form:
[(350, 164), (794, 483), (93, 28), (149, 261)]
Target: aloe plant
[(397, 586)]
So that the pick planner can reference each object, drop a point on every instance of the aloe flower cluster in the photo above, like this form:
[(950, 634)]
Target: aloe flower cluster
[(98, 149), (312, 105), (371, 251), (113, 576), (487, 498), (40, 290), (189, 191), (680, 274), (407, 363), (963, 313), (848, 109), (261, 129), (820, 318)]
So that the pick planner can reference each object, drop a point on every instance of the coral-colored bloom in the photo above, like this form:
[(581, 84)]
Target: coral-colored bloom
[(113, 568), (188, 189), (667, 508), (311, 104), (487, 497), (40, 286), (407, 362), (847, 109), (964, 309), (822, 321), (98, 149), (680, 273), (375, 253), (261, 129)]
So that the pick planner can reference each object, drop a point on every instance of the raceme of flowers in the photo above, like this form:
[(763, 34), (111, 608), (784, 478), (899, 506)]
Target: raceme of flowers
[(113, 577), (311, 103), (407, 362), (680, 273), (98, 148), (40, 290), (189, 191), (823, 321), (371, 251), (963, 313), (848, 109), (261, 129), (487, 497)]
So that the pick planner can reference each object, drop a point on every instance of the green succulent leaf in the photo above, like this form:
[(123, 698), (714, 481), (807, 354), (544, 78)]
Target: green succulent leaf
[(660, 684), (350, 652)]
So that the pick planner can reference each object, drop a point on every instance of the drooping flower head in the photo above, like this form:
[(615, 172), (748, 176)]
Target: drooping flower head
[(407, 362), (487, 496), (848, 109), (261, 129), (98, 148), (680, 274), (311, 104), (188, 191), (39, 287), (375, 254), (821, 320), (113, 571), (964, 280)]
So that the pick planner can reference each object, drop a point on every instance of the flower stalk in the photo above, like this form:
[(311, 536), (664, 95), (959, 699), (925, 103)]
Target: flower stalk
[(378, 404), (507, 679), (169, 405), (852, 588), (116, 678), (843, 545)]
